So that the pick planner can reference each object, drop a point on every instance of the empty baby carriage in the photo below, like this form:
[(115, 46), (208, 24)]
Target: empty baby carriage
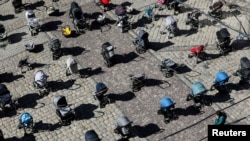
[(79, 18), (220, 81), (137, 82), (122, 21), (193, 19), (244, 71), (223, 41), (167, 109), (71, 66), (198, 52), (108, 54), (18, 5), (168, 67), (40, 82), (91, 135), (30, 46), (26, 122), (6, 103), (33, 22), (149, 13), (55, 47), (197, 95), (24, 65), (215, 9), (63, 110), (141, 41), (3, 36), (171, 27), (124, 127), (103, 99)]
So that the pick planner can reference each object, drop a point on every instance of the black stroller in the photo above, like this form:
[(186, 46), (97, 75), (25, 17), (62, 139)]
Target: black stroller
[(6, 103), (141, 41), (79, 18), (103, 99), (122, 21), (55, 47), (215, 9), (33, 22), (91, 135), (167, 109), (124, 127), (244, 71), (168, 67), (18, 6), (170, 27), (137, 82), (108, 54), (193, 19), (3, 36), (223, 41), (40, 82), (63, 110)]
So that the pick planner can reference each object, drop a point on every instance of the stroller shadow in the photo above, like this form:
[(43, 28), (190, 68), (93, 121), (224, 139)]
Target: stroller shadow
[(147, 130), (74, 51), (158, 46), (38, 48), (36, 65), (142, 22), (52, 25), (111, 6), (122, 97), (187, 111), (7, 17), (57, 13), (87, 72), (85, 111), (240, 44), (41, 127), (16, 37), (60, 85), (186, 32), (183, 69), (29, 100), (33, 6), (220, 97), (154, 82), (29, 137), (9, 77), (135, 12), (126, 58)]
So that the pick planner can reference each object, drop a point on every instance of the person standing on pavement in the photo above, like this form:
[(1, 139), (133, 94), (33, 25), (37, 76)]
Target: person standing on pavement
[(221, 118)]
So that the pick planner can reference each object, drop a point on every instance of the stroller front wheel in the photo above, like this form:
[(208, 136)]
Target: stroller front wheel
[(168, 74)]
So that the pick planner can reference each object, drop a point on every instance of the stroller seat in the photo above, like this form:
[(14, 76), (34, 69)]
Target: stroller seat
[(91, 135), (244, 71)]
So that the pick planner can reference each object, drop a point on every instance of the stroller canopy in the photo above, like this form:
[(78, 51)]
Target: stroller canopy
[(223, 34), (123, 121), (60, 101), (143, 34), (166, 102), (3, 90), (221, 77), (91, 135), (120, 10), (77, 13), (54, 44), (168, 63), (245, 63), (170, 20), (26, 119), (101, 87), (17, 3), (198, 89), (2, 29)]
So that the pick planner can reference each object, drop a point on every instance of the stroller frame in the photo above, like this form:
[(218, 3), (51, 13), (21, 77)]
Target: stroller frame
[(100, 95), (141, 38), (124, 122), (137, 81), (244, 70), (18, 6), (169, 71), (223, 41), (149, 13), (215, 10), (55, 47), (33, 23), (29, 128)]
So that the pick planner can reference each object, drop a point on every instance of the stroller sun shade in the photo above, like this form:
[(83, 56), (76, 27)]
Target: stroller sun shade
[(222, 34), (60, 101), (221, 77), (166, 102), (3, 90), (143, 34), (101, 87), (245, 63), (123, 121), (169, 63), (2, 29), (198, 89), (170, 20), (91, 135)]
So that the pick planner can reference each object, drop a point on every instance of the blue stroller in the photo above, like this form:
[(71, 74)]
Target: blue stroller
[(101, 89), (167, 109), (26, 122), (91, 135), (149, 13), (197, 95), (220, 81)]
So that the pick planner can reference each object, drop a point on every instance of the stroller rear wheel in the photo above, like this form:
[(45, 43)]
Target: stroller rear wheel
[(168, 74)]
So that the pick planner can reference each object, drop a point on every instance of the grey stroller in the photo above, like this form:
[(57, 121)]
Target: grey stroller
[(193, 19), (24, 65), (244, 71), (5, 99), (40, 82), (55, 47), (168, 67), (101, 90), (124, 127), (170, 27), (33, 22), (63, 110), (137, 82), (141, 42)]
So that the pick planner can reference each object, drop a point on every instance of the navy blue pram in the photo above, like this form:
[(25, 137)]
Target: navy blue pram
[(26, 122), (166, 108), (91, 135), (141, 41), (101, 89), (220, 81)]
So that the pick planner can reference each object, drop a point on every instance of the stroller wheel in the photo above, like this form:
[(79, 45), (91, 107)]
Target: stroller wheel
[(168, 74), (116, 131)]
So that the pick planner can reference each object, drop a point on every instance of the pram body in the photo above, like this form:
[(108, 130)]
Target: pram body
[(193, 19), (141, 41), (91, 135), (215, 9), (26, 122), (223, 38), (124, 127), (122, 21), (3, 34), (33, 22), (137, 82), (244, 71), (71, 66), (220, 81), (198, 52), (40, 82), (108, 54), (167, 109), (168, 67), (101, 90), (63, 110), (171, 26), (18, 5), (5, 99), (55, 47)]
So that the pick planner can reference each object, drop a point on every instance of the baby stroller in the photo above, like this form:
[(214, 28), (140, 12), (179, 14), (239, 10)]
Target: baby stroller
[(40, 82), (193, 19), (244, 71), (223, 41), (137, 82), (122, 21), (3, 36), (79, 19), (30, 46), (171, 27), (220, 81), (141, 41), (34, 26), (124, 127), (198, 52), (72, 67), (6, 102), (215, 9), (18, 5), (197, 95), (149, 13), (103, 99), (55, 47), (91, 135), (167, 109), (168, 67), (26, 122), (63, 110), (108, 54), (24, 63)]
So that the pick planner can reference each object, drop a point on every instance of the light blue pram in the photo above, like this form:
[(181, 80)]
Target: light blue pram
[(167, 109)]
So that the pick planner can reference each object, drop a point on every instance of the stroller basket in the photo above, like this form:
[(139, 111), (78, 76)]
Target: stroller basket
[(198, 89), (221, 77), (245, 63), (166, 103)]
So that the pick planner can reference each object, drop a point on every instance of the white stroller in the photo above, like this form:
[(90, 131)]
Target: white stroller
[(33, 22), (171, 27), (124, 127), (71, 66), (63, 110), (40, 82)]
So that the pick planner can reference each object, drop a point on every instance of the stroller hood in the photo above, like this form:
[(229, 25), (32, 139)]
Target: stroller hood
[(41, 78), (170, 20), (143, 34), (91, 135), (166, 102), (123, 121), (2, 29), (198, 89), (168, 63), (26, 119), (3, 90), (221, 77), (54, 44), (222, 34), (60, 101), (101, 87), (245, 63), (120, 10)]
